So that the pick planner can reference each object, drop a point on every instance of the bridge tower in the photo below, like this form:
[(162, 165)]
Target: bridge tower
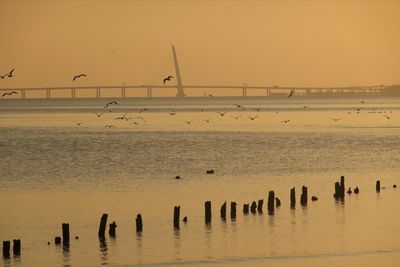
[(178, 75)]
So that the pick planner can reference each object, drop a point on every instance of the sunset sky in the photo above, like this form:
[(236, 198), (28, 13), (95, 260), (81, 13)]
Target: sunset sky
[(304, 43)]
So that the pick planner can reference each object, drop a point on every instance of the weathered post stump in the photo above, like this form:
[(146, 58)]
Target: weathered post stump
[(103, 225), (293, 198), (111, 230), (253, 207), (271, 202), (337, 190), (207, 207), (245, 208), (278, 202), (378, 186), (139, 223), (233, 210), (185, 219), (342, 188), (177, 211), (260, 206), (356, 190), (17, 247), (57, 240), (303, 197), (223, 211), (6, 249), (314, 198), (349, 191), (65, 233)]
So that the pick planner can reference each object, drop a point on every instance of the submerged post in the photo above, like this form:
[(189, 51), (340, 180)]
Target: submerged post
[(278, 202), (246, 208), (65, 233), (177, 211), (342, 188), (260, 206), (6, 249), (253, 207), (303, 198), (223, 211), (233, 210), (293, 198), (17, 247), (207, 207), (111, 230), (139, 223), (378, 186), (103, 225), (271, 202)]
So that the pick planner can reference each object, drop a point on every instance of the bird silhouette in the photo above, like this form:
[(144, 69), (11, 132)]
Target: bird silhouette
[(111, 103), (79, 123), (291, 93), (99, 114), (210, 95), (122, 117), (78, 76), (253, 118), (207, 121), (237, 117), (189, 122), (387, 117), (10, 74), (110, 126), (172, 113), (336, 119), (143, 110), (221, 113), (10, 93), (285, 121), (140, 118), (167, 79)]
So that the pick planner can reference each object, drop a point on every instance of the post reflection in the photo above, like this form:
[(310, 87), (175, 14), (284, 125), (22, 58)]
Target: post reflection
[(103, 251), (66, 255), (177, 243)]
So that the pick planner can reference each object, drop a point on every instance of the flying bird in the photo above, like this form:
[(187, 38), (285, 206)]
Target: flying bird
[(167, 79), (189, 122), (140, 118), (237, 117), (78, 76), (79, 123), (291, 93), (172, 113), (285, 121), (110, 126), (336, 119), (207, 121), (111, 103), (221, 113), (387, 117), (10, 74), (10, 93), (122, 117), (99, 114), (142, 110), (253, 118)]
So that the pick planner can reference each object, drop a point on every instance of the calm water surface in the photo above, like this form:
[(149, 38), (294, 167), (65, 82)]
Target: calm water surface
[(53, 171)]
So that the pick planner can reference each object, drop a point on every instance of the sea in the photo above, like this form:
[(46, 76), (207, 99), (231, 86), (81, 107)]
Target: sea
[(72, 160)]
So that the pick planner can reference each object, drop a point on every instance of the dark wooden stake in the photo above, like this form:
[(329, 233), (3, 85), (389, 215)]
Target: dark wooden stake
[(337, 190), (57, 240), (17, 247), (103, 225), (278, 202), (314, 198), (233, 210), (271, 202), (111, 230), (253, 207), (293, 198), (139, 223), (303, 197), (246, 208), (65, 233), (207, 207), (342, 188), (356, 190), (185, 219), (223, 211), (378, 186), (260, 206), (177, 211), (6, 249)]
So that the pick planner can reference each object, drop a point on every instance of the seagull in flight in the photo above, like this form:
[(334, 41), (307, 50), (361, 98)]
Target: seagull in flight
[(111, 103), (237, 117), (79, 123), (336, 119), (143, 110), (221, 113), (387, 117), (122, 117), (99, 114), (291, 93), (78, 76), (189, 122), (285, 121), (207, 121), (110, 126), (10, 93), (167, 79), (172, 113), (253, 118)]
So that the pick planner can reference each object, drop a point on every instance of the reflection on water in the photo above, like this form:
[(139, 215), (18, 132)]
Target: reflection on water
[(103, 249), (66, 255)]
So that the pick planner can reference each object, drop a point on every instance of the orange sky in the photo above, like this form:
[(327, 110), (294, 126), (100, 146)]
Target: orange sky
[(302, 43)]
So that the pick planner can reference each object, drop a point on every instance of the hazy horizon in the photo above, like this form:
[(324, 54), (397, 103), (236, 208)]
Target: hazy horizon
[(288, 43)]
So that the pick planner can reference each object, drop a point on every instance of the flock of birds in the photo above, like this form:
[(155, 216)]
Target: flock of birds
[(172, 113)]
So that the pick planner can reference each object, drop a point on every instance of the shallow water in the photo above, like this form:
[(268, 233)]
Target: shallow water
[(54, 171)]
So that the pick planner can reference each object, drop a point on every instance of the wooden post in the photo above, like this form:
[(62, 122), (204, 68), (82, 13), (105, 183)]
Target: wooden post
[(337, 190), (17, 247), (223, 211), (103, 225), (293, 198), (253, 207), (65, 233), (177, 211), (57, 240), (207, 207), (111, 230), (260, 206), (139, 223), (303, 198), (271, 202), (278, 202), (342, 188), (233, 210), (246, 208), (185, 219), (378, 186), (356, 190), (6, 249)]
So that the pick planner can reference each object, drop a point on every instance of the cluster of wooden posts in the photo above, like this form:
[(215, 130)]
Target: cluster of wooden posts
[(255, 207)]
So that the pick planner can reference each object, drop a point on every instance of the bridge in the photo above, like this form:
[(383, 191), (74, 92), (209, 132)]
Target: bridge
[(121, 91)]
